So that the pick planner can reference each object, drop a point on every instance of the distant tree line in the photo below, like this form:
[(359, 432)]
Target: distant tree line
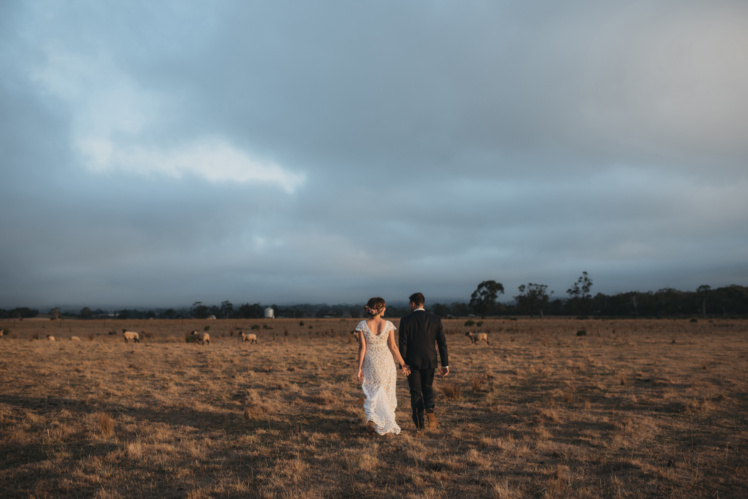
[(18, 313), (532, 299), (199, 310)]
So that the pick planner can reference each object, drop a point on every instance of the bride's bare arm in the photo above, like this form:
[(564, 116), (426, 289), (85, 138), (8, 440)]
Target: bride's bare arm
[(361, 352), (395, 351)]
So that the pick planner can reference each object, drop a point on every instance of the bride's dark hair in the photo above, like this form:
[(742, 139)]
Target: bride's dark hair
[(374, 306)]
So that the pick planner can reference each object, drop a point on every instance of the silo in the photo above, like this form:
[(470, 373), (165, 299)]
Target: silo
[(269, 313)]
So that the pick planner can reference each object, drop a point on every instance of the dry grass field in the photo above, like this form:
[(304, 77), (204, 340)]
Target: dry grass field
[(633, 408)]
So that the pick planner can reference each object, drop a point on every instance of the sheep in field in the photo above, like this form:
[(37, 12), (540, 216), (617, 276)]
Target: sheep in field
[(476, 337), (250, 337), (50, 337), (75, 338), (131, 335), (202, 338)]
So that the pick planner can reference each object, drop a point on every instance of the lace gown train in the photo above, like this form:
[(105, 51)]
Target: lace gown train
[(380, 380)]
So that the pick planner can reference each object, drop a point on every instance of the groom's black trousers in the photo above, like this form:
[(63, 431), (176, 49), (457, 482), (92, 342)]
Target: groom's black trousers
[(420, 382)]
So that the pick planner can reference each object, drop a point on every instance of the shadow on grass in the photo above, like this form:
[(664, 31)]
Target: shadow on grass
[(333, 420)]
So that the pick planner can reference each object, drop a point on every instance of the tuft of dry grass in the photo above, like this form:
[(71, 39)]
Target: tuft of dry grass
[(105, 424), (477, 384), (452, 391)]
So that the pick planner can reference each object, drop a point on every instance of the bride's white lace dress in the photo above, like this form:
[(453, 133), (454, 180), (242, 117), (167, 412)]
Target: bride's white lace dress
[(380, 379)]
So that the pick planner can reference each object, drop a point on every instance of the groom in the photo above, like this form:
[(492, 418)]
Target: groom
[(419, 332)]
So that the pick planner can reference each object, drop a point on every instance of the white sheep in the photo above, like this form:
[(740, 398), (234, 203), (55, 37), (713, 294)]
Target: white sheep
[(50, 337), (476, 337), (75, 338), (250, 337), (131, 335), (202, 338)]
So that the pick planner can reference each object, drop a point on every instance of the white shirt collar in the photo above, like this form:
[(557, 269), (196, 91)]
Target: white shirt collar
[(419, 310)]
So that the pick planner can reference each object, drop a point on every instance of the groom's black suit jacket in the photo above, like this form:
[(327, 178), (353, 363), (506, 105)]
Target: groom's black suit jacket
[(419, 331)]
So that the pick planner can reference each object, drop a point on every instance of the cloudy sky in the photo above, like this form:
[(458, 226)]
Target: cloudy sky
[(157, 153)]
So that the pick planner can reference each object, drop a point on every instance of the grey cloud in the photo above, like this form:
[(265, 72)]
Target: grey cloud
[(441, 144)]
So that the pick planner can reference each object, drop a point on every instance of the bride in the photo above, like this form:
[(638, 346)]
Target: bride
[(377, 354)]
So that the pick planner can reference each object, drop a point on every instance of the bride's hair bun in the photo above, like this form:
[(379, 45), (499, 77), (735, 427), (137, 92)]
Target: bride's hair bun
[(374, 306)]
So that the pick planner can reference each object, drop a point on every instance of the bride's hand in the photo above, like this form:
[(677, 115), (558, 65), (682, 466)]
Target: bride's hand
[(360, 375), (406, 370)]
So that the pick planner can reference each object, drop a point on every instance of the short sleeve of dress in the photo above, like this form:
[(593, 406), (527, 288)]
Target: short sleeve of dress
[(390, 327), (361, 326)]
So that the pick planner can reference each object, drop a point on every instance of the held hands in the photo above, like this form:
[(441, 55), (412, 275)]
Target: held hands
[(405, 369)]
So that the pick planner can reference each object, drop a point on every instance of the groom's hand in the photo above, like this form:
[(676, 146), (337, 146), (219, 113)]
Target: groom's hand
[(406, 370), (445, 371)]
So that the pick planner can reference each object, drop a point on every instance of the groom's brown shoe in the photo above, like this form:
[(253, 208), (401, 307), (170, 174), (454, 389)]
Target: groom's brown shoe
[(431, 417)]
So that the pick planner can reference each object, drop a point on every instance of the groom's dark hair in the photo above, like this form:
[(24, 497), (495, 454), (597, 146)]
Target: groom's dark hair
[(417, 298)]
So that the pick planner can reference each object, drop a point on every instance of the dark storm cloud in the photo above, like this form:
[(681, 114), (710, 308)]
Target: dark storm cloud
[(167, 152)]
